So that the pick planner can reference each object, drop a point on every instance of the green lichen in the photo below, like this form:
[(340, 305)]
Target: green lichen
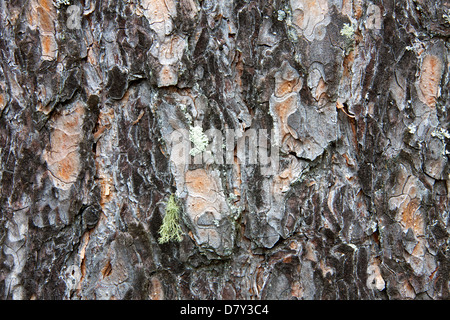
[(199, 139), (348, 31), (170, 229)]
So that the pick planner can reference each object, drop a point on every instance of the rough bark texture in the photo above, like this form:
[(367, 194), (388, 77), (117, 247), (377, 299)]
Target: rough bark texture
[(357, 95)]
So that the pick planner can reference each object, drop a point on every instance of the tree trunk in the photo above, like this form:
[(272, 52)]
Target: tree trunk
[(224, 149)]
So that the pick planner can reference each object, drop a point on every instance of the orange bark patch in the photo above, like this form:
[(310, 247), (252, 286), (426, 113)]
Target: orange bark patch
[(430, 76), (167, 77), (156, 292), (41, 15), (107, 269), (107, 190), (67, 168), (198, 205), (45, 22), (285, 87), (348, 63), (48, 46), (284, 108), (357, 5), (62, 157), (412, 218), (198, 181), (286, 81), (321, 89), (203, 194), (297, 290), (46, 4)]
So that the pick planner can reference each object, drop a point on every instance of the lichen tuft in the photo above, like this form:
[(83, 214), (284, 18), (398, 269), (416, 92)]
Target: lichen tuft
[(199, 139), (348, 31), (170, 229)]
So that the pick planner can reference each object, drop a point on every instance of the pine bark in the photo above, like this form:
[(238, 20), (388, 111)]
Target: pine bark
[(353, 94)]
